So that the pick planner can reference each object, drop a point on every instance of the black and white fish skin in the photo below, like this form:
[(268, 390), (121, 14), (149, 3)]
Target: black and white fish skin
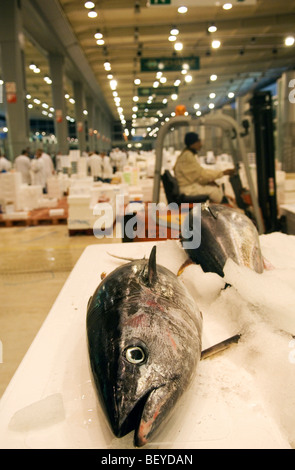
[(226, 233), (144, 338)]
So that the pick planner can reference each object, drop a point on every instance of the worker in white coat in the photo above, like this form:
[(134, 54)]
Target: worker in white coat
[(94, 165), (106, 169), (5, 165), (38, 170), (22, 164), (48, 164)]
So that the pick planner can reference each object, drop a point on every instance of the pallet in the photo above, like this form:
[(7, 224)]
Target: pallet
[(39, 217)]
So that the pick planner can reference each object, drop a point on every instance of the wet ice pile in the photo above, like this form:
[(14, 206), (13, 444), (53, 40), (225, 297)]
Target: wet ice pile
[(262, 308)]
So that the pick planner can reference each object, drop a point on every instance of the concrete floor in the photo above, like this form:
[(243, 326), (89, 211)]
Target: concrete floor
[(34, 265)]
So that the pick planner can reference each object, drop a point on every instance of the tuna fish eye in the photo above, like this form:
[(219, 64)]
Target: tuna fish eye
[(135, 355)]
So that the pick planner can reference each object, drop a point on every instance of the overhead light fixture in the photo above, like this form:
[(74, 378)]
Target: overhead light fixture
[(100, 42), (89, 5), (196, 106), (174, 96), (172, 38), (92, 14), (32, 66), (113, 84), (212, 96), (98, 35), (30, 105), (215, 44), (137, 81), (163, 79), (198, 113), (37, 101), (110, 76), (174, 31), (135, 98), (289, 41), (212, 28), (182, 10), (188, 78), (211, 105), (213, 77), (156, 84), (177, 82), (227, 6), (231, 94), (28, 96), (67, 96), (178, 46), (36, 70)]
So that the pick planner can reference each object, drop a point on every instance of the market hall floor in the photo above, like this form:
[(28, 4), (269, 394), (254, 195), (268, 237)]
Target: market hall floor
[(35, 262)]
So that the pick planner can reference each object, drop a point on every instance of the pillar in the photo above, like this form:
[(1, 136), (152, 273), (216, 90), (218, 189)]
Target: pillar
[(79, 115), (90, 106), (56, 64), (13, 75), (287, 117)]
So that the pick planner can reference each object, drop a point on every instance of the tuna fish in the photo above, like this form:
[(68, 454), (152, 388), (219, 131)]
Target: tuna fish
[(144, 340), (225, 233)]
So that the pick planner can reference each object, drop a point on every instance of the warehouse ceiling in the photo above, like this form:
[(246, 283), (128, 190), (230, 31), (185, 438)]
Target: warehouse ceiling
[(252, 53)]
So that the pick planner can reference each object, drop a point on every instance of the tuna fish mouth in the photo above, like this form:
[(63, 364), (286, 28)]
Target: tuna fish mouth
[(132, 421), (135, 421)]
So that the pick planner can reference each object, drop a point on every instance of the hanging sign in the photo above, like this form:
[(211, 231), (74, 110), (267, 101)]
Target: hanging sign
[(10, 88), (160, 2), (169, 64), (162, 90), (80, 126), (58, 115)]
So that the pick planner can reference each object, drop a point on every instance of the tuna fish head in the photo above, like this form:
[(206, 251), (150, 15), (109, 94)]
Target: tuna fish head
[(144, 338), (225, 233)]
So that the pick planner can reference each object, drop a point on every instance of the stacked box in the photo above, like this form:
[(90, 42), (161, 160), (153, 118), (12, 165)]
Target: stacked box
[(30, 196), (10, 184), (54, 187), (80, 215)]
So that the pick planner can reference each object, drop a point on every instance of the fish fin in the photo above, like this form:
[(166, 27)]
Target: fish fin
[(219, 347), (149, 272), (152, 267), (184, 265), (89, 302)]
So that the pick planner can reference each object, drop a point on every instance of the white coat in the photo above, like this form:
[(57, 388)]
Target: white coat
[(106, 168), (22, 164), (94, 164), (38, 172), (48, 165)]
